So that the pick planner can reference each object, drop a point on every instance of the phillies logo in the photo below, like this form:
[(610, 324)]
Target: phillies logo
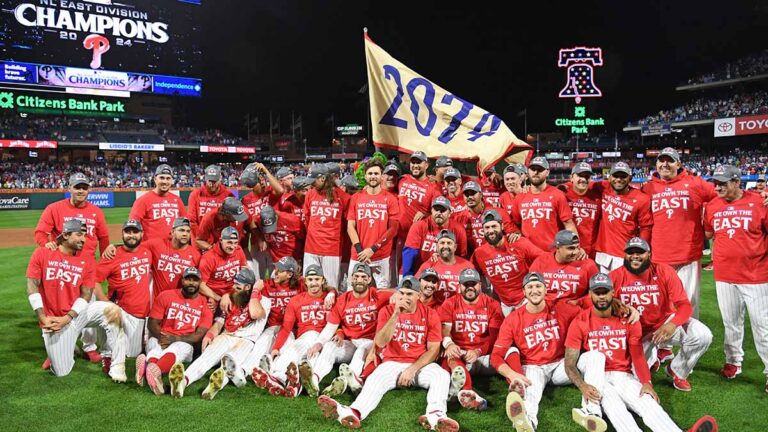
[(99, 44), (580, 63)]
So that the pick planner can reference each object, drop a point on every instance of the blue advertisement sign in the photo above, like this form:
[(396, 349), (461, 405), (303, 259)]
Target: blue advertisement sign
[(20, 73), (99, 199), (176, 85)]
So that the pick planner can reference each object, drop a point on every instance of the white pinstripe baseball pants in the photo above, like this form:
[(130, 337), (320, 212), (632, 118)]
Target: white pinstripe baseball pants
[(351, 351), (693, 338), (734, 299), (622, 391), (235, 346), (331, 266), (690, 276), (182, 350), (293, 352)]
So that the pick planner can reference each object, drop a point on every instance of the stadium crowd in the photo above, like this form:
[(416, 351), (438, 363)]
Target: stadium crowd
[(753, 103), (745, 67)]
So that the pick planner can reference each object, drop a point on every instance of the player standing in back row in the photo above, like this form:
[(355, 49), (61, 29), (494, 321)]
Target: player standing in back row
[(157, 209)]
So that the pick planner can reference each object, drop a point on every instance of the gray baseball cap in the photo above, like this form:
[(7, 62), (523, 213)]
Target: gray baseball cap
[(283, 173), (245, 276), (163, 169), (230, 233), (287, 263), (301, 182), (637, 243), (472, 186), (132, 223), (350, 182), (333, 168), (724, 173), (427, 272), (452, 172), (582, 167), (534, 277), (441, 201), (669, 152), (518, 169), (268, 219), (443, 161), (318, 170), (446, 234), (313, 270), (491, 215), (469, 275), (420, 155), (565, 238), (212, 173), (539, 161), (409, 282), (362, 268), (78, 178), (620, 167), (74, 225), (249, 177), (392, 167), (180, 222), (233, 207), (191, 271), (761, 178), (600, 280)]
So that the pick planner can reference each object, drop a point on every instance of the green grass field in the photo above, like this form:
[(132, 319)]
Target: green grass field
[(29, 218), (33, 399)]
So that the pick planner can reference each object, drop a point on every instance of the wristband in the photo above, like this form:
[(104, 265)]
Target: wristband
[(447, 341), (36, 301), (79, 305), (358, 247), (374, 248)]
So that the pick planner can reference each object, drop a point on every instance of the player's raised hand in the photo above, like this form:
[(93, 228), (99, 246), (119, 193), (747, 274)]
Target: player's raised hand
[(225, 303)]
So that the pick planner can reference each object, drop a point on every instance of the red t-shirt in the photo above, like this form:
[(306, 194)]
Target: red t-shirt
[(474, 224), (677, 206), (506, 202), (506, 266), (448, 276), (586, 215), (656, 294), (356, 317), (325, 222), (290, 203), (623, 217), (287, 239), (491, 190), (411, 334), (620, 341), (279, 295), (473, 326), (239, 316), (541, 215), (218, 269), (156, 213), (168, 263), (540, 337), (414, 196), (55, 214), (434, 302), (61, 277), (304, 312), (128, 275), (740, 254), (201, 202), (372, 214), (458, 203), (565, 281), (179, 315), (254, 203), (423, 237), (210, 227)]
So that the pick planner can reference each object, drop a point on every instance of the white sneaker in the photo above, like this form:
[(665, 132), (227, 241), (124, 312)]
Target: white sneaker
[(233, 371), (589, 421), (458, 379), (353, 383), (117, 373), (177, 380)]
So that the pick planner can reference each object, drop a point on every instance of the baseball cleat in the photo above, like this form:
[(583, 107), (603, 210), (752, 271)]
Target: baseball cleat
[(438, 421), (106, 364), (353, 382), (518, 387), (47, 363), (92, 356), (308, 380), (655, 366), (292, 379), (233, 371), (446, 424), (681, 384), (458, 379), (469, 399), (704, 424), (259, 376), (155, 378), (217, 381), (117, 372), (338, 386), (141, 367), (663, 355), (730, 370), (336, 411), (589, 421), (515, 408), (329, 407), (266, 362), (177, 381)]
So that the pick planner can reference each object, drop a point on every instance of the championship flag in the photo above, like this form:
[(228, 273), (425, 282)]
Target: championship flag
[(410, 113)]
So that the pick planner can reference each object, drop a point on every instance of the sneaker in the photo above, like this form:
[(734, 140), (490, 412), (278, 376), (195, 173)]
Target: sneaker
[(589, 421), (265, 363), (655, 366), (708, 267), (663, 355), (515, 408), (106, 363), (336, 411), (92, 356), (233, 371), (681, 384), (154, 378), (458, 379), (338, 386), (469, 399), (141, 367), (177, 380), (730, 371), (308, 379), (353, 382), (117, 372), (216, 382), (704, 424), (47, 363)]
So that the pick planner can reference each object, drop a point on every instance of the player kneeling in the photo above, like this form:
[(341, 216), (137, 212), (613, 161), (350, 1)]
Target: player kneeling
[(230, 340), (410, 335), (178, 320)]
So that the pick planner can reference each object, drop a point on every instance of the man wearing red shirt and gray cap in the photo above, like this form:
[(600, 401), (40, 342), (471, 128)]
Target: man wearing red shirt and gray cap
[(452, 188), (567, 276), (448, 266), (219, 266), (585, 202), (472, 216), (207, 197), (514, 184), (283, 233), (738, 222), (231, 214), (170, 256), (293, 201), (421, 243), (262, 193), (157, 209)]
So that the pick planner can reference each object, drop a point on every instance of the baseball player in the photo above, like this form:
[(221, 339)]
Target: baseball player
[(219, 266), (429, 280), (231, 213), (471, 323), (128, 275), (448, 266), (59, 285), (738, 222), (372, 219), (598, 329), (759, 184), (349, 184), (409, 333), (262, 193), (178, 320), (390, 177), (51, 224), (415, 194), (585, 203), (626, 213), (229, 340), (157, 209), (452, 186), (542, 211), (346, 338), (283, 233), (529, 353), (293, 201), (472, 217), (421, 243), (514, 183), (503, 263), (567, 276), (285, 176), (492, 185), (325, 209), (210, 196), (307, 314), (170, 256)]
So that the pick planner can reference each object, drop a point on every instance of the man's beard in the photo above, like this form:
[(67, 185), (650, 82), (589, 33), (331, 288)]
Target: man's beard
[(639, 271), (190, 289), (359, 287), (241, 298), (496, 238), (132, 243)]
